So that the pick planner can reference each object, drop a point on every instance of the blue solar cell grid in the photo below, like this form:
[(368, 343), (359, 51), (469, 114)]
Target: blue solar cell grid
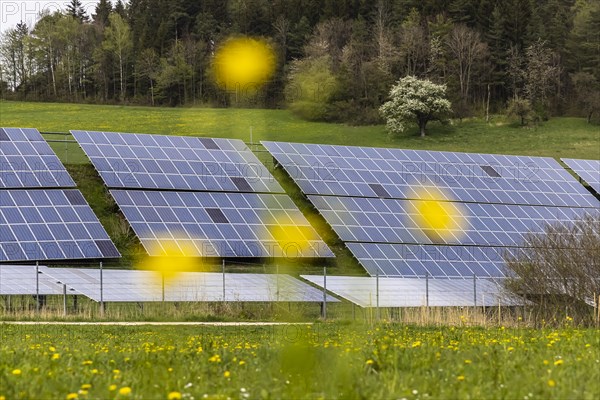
[(419, 261), (588, 170), (402, 174), (142, 161), (220, 224), (394, 221), (50, 225), (27, 161)]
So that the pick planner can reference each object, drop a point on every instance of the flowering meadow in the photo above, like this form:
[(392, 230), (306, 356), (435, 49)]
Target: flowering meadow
[(297, 361)]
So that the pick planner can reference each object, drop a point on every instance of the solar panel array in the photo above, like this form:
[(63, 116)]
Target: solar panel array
[(141, 161), (221, 224), (215, 198), (373, 199), (27, 161), (436, 261), (394, 221), (405, 174), (409, 292), (147, 286), (588, 170), (50, 225), (39, 219), (21, 280)]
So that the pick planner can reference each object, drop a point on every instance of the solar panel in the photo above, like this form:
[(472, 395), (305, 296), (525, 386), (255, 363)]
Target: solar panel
[(221, 224), (419, 261), (393, 221), (21, 280), (147, 286), (142, 161), (27, 161), (588, 170), (406, 174), (50, 225), (406, 292)]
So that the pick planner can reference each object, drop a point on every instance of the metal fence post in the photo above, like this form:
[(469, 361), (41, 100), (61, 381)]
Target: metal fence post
[(474, 290), (377, 294), (223, 280), (427, 289), (64, 300), (101, 290), (325, 292), (162, 286), (277, 282), (37, 286)]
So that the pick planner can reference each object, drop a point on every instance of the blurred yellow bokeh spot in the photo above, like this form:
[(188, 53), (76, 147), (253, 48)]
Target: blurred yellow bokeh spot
[(440, 220), (173, 258), (293, 237), (242, 61)]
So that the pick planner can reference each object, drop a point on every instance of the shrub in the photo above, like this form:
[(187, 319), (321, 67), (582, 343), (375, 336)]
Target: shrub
[(561, 267)]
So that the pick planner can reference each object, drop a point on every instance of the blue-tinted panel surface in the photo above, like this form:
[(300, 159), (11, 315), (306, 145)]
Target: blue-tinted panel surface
[(27, 161), (588, 170), (394, 221), (50, 225), (409, 174), (139, 161), (401, 260), (221, 224)]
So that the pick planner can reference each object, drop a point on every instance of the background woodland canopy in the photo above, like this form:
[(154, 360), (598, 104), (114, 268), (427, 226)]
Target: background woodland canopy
[(336, 59)]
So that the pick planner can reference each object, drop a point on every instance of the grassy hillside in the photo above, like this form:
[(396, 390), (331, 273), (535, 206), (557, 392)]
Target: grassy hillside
[(559, 137)]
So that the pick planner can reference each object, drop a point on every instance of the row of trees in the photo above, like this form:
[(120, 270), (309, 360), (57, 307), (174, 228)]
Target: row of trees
[(336, 59)]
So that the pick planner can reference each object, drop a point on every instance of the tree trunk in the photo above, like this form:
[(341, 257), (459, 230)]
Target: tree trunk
[(422, 124)]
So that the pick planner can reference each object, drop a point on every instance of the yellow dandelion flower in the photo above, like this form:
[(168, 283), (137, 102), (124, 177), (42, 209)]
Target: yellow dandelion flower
[(174, 396), (125, 391), (370, 362), (559, 362), (16, 372), (83, 392), (55, 356), (2, 398), (72, 396), (87, 362), (226, 374), (52, 349), (170, 369), (112, 388), (546, 362), (242, 362), (86, 386), (460, 378), (468, 362), (116, 371), (551, 383), (510, 348)]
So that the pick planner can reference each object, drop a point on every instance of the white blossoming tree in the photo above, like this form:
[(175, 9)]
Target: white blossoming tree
[(417, 100)]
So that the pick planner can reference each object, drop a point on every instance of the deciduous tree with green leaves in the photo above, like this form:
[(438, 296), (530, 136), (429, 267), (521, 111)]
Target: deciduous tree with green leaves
[(118, 41), (413, 99)]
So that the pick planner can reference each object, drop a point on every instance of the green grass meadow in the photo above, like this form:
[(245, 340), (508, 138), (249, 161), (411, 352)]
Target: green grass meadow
[(558, 137), (297, 362)]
